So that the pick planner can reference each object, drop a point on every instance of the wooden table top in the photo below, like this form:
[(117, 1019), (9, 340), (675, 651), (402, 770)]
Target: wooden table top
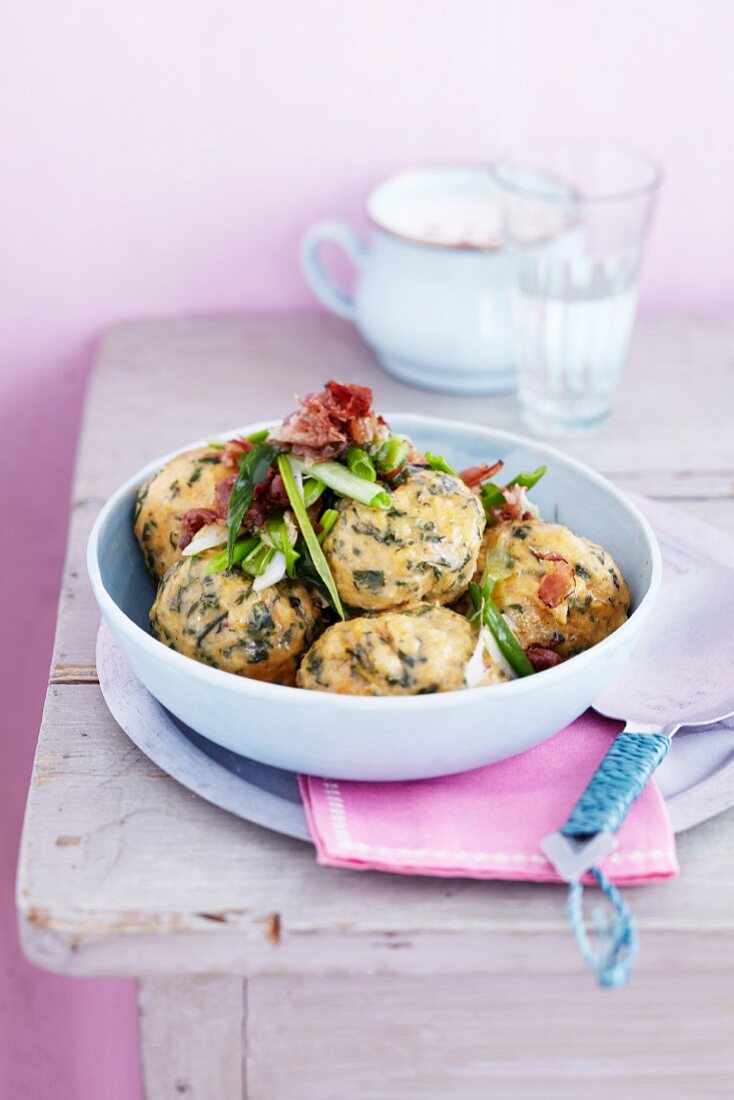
[(123, 871)]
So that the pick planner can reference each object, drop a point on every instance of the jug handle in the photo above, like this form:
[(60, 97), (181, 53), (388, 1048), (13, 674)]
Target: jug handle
[(325, 290)]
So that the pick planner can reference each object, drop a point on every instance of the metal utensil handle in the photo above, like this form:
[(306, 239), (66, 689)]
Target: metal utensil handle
[(617, 782)]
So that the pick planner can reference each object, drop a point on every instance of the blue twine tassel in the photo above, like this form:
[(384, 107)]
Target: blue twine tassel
[(613, 961), (616, 784)]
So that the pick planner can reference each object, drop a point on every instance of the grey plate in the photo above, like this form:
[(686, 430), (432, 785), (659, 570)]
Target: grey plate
[(267, 796), (696, 778)]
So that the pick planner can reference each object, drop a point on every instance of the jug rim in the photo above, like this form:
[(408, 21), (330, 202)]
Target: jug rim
[(481, 169)]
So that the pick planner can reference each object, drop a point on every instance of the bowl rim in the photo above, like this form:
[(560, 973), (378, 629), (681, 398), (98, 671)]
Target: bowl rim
[(219, 678)]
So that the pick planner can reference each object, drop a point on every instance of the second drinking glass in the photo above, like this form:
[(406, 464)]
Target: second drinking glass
[(575, 219)]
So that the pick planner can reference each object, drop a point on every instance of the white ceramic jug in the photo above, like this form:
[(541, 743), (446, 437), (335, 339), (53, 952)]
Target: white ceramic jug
[(432, 286)]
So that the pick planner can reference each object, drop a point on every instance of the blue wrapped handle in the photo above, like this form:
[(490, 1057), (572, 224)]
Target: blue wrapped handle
[(620, 778)]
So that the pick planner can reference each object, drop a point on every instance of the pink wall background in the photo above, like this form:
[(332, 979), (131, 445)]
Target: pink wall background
[(165, 155)]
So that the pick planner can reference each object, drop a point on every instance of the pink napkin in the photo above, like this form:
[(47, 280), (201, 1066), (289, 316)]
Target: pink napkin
[(486, 823)]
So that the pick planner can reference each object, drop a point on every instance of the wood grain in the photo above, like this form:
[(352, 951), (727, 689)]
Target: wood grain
[(505, 1037), (191, 1037), (73, 674)]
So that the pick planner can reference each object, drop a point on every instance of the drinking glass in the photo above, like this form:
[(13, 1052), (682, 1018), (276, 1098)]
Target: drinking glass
[(575, 218)]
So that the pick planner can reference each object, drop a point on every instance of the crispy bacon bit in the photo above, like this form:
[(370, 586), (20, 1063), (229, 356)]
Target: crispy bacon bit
[(362, 430), (547, 555), (269, 494), (557, 585), (354, 402), (223, 491), (328, 422), (475, 475), (541, 658), (233, 448), (193, 521), (516, 506), (277, 490), (313, 515)]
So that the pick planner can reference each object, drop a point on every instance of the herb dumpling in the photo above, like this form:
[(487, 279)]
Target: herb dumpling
[(564, 593), (217, 618), (187, 481), (415, 652), (423, 548)]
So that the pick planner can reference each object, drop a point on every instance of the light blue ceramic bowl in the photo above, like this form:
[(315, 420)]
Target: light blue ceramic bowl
[(409, 737)]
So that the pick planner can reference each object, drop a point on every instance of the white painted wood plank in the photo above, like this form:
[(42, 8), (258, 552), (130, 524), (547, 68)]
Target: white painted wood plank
[(519, 1036), (192, 1037), (78, 616), (124, 871)]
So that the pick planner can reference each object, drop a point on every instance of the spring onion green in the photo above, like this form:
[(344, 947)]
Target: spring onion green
[(438, 462), (242, 548), (256, 562), (286, 464), (312, 490), (343, 481), (360, 463), (254, 468), (277, 531), (528, 480), (492, 496), (393, 453), (327, 520), (487, 612), (273, 573)]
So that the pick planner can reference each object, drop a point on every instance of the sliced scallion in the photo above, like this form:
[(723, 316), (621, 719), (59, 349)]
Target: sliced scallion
[(312, 490), (254, 468), (360, 463), (320, 563), (492, 496), (242, 548), (438, 462), (258, 560), (528, 480), (327, 520), (344, 482), (393, 453), (273, 573), (277, 531), (206, 538), (487, 612)]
